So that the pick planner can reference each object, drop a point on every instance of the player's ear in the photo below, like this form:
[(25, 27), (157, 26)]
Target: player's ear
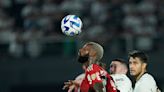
[(125, 70), (94, 53), (144, 65)]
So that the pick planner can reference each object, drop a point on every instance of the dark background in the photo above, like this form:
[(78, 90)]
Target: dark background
[(52, 58)]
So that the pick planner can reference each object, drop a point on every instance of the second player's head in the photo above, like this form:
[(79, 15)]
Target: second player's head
[(118, 66)]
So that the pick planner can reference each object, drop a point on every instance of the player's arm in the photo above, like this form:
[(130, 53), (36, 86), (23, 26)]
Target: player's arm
[(98, 87)]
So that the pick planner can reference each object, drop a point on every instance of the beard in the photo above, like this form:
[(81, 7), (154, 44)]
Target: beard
[(83, 59)]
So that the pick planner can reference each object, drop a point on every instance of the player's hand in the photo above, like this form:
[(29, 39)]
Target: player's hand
[(71, 88), (68, 84), (71, 85)]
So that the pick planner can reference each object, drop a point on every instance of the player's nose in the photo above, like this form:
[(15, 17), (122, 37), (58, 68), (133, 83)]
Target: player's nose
[(131, 68)]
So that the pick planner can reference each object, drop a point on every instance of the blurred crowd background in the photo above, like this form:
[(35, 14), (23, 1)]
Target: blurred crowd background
[(36, 56)]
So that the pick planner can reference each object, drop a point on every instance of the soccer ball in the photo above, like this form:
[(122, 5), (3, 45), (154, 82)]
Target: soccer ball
[(71, 25)]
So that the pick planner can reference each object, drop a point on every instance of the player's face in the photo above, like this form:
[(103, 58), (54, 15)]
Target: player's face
[(84, 54), (135, 66), (89, 51), (84, 50), (115, 67)]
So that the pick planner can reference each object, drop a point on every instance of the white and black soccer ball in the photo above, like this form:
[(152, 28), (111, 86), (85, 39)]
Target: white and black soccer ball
[(71, 25)]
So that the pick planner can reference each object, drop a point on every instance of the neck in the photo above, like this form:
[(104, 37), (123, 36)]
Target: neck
[(139, 76), (92, 60)]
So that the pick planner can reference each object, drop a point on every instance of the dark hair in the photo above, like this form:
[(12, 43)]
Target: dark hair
[(122, 61), (139, 54)]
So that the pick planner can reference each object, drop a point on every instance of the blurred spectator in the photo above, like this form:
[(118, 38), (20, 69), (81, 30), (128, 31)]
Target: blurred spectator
[(94, 28), (49, 7), (103, 20), (28, 42), (98, 11), (160, 14), (72, 7), (30, 14), (5, 3), (115, 15), (33, 39), (147, 33), (51, 16), (96, 32), (131, 23), (6, 26), (113, 24), (16, 47), (140, 25)]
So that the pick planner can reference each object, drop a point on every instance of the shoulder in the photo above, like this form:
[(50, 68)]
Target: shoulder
[(147, 79), (122, 82), (145, 83), (121, 78), (118, 75)]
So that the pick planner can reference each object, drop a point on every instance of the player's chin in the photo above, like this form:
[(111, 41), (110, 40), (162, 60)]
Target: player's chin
[(132, 73)]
